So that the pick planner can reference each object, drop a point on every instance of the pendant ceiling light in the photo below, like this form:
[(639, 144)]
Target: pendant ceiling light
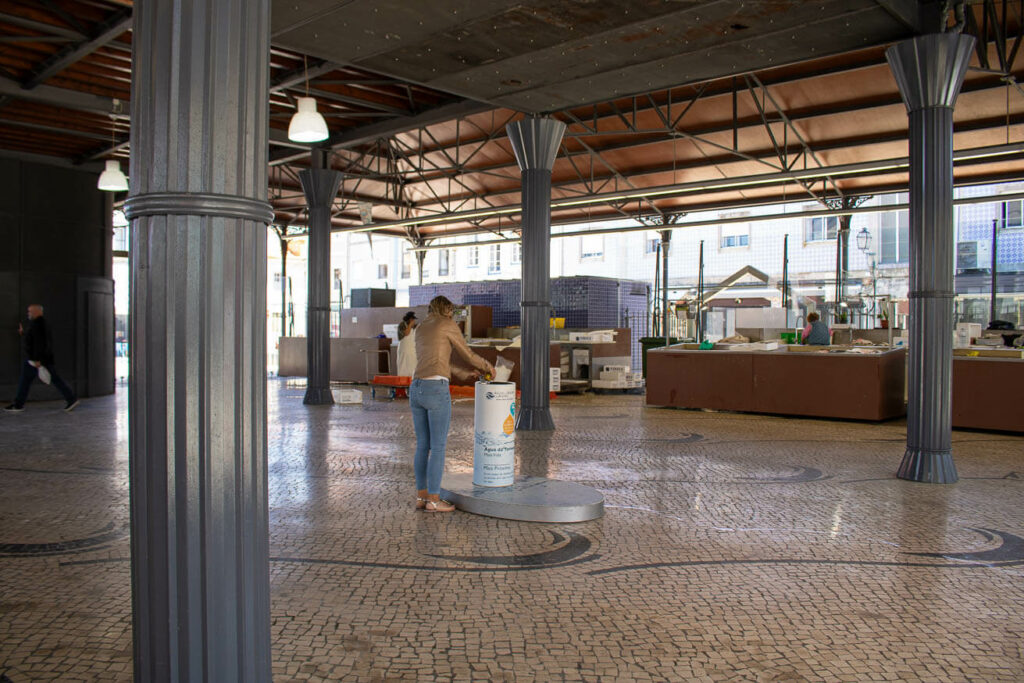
[(307, 125), (112, 179)]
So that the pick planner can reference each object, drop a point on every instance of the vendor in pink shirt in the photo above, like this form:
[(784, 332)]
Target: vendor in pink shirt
[(816, 332)]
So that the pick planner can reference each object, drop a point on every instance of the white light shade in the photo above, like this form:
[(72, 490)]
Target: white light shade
[(307, 124), (112, 180)]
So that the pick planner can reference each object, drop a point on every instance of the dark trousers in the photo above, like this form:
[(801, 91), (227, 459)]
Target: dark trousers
[(29, 374)]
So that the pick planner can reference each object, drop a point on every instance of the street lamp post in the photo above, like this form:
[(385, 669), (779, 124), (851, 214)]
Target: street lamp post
[(864, 244)]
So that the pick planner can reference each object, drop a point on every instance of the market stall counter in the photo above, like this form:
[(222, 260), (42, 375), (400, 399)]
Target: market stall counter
[(859, 384), (986, 391)]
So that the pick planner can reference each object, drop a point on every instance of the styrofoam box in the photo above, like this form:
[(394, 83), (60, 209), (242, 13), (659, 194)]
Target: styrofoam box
[(615, 368), (599, 337), (347, 395), (615, 376), (556, 379), (615, 384)]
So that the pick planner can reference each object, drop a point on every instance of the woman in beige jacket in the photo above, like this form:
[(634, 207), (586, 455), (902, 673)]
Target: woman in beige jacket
[(436, 338)]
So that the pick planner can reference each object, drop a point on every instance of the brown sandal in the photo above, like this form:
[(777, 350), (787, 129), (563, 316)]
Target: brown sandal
[(438, 506), (420, 503)]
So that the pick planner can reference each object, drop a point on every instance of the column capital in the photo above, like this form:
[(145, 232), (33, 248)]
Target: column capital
[(320, 185), (929, 69), (535, 142)]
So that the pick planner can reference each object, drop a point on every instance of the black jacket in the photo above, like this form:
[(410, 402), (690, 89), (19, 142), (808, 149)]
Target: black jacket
[(38, 342)]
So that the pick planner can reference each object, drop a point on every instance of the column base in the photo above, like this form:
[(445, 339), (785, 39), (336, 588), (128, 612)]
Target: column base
[(318, 396), (534, 420), (929, 467)]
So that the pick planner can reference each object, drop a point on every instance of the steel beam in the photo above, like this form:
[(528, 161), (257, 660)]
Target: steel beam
[(117, 24), (929, 71), (41, 26), (60, 97), (197, 414), (384, 129)]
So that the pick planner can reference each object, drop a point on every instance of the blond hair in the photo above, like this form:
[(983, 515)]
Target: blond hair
[(441, 305)]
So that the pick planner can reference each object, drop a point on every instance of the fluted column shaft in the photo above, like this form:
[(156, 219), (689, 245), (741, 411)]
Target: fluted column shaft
[(320, 186), (930, 70), (535, 143), (198, 449)]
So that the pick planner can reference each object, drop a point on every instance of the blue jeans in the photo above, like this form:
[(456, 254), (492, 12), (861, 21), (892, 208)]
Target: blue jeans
[(431, 404), (29, 374)]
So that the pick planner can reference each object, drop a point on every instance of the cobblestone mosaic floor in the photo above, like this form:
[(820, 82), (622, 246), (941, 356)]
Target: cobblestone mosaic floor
[(733, 548)]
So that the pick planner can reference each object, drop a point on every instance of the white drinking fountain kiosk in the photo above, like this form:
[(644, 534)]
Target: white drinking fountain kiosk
[(494, 489), (494, 434)]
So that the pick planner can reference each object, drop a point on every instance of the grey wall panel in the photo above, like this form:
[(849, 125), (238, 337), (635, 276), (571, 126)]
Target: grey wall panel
[(10, 342), (10, 184), (95, 329), (10, 238), (80, 202), (48, 245), (62, 246)]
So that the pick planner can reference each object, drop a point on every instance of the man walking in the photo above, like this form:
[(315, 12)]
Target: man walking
[(38, 346)]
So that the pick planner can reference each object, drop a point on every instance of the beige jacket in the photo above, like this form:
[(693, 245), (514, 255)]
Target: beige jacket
[(436, 338)]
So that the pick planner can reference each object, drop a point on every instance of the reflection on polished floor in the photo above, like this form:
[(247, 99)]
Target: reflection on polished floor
[(733, 548)]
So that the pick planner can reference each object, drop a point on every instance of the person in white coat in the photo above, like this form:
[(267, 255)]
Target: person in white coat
[(407, 345)]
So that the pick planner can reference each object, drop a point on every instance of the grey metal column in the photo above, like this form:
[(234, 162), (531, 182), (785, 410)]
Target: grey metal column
[(666, 238), (320, 185), (197, 412), (929, 70), (535, 142)]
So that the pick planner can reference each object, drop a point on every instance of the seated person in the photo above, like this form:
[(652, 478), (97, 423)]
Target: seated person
[(816, 332)]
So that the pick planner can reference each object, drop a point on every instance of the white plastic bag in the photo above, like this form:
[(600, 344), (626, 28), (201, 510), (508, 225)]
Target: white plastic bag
[(503, 369), (44, 374)]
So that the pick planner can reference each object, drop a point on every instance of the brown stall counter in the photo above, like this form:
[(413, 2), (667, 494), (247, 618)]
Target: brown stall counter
[(986, 393), (847, 385)]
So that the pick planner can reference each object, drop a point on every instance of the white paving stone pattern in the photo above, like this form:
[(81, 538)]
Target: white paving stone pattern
[(733, 548)]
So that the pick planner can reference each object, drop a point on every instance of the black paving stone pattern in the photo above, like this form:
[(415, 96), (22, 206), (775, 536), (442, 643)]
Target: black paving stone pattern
[(733, 548)]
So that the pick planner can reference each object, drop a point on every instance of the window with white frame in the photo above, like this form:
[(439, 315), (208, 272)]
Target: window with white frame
[(821, 228), (407, 265), (442, 262), (651, 245), (494, 259), (474, 257), (734, 235), (592, 247), (120, 239), (382, 271), (894, 231), (517, 253), (1013, 214)]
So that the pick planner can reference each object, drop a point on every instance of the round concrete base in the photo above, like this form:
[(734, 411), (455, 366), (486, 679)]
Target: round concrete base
[(529, 499)]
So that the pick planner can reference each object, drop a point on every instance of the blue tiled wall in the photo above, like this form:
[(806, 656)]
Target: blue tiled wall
[(584, 302)]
